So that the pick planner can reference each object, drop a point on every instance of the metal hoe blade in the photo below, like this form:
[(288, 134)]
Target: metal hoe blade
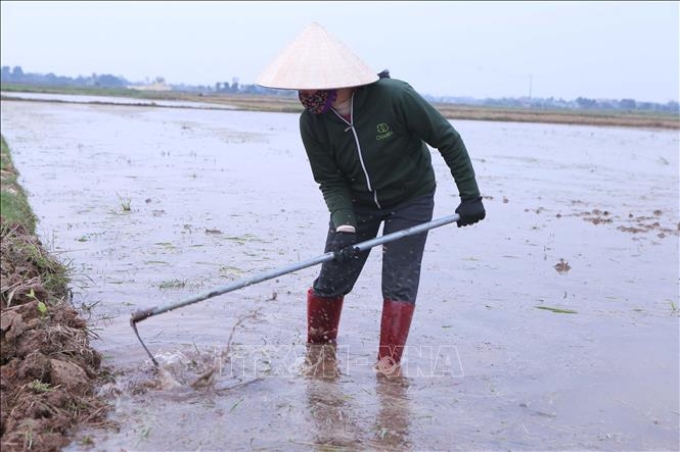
[(363, 246)]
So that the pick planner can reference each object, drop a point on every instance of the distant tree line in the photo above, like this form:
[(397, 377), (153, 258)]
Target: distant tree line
[(627, 105), (17, 75), (580, 103)]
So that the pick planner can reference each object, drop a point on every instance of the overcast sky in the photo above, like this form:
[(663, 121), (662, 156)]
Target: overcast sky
[(480, 49)]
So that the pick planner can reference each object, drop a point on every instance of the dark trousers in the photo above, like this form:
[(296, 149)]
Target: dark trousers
[(401, 258)]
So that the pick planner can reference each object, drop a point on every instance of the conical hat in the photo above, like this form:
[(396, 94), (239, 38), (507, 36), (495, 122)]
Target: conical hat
[(316, 60)]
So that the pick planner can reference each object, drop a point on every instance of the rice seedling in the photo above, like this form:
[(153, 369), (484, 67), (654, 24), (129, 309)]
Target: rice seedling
[(173, 284), (557, 310), (125, 203), (243, 239)]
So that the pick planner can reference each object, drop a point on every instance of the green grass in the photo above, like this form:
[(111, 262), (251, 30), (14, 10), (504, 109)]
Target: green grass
[(13, 201)]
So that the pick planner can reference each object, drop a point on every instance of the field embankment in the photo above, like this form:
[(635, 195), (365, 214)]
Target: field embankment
[(48, 370), (269, 103)]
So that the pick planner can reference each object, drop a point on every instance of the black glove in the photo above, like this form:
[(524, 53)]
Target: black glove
[(343, 248), (471, 211)]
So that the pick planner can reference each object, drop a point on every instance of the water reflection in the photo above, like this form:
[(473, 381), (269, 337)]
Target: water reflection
[(392, 423), (321, 362), (339, 417), (335, 422), (83, 99)]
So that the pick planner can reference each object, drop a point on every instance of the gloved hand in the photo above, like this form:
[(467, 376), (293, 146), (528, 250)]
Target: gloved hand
[(471, 211), (343, 246)]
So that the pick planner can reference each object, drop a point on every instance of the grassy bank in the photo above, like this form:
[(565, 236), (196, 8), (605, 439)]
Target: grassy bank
[(576, 117), (13, 203), (85, 91)]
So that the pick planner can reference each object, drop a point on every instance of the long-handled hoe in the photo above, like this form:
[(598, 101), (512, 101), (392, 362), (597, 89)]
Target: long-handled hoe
[(363, 246)]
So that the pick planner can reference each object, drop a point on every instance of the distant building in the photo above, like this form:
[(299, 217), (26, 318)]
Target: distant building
[(156, 86)]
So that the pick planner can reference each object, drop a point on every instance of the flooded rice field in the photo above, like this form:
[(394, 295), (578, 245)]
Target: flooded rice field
[(551, 325)]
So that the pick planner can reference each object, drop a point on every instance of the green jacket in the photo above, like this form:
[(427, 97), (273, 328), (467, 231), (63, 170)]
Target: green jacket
[(381, 158)]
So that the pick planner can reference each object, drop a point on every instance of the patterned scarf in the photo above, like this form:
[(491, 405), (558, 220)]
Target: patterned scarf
[(318, 102)]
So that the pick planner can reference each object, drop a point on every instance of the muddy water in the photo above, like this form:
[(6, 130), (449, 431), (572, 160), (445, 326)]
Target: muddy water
[(552, 325)]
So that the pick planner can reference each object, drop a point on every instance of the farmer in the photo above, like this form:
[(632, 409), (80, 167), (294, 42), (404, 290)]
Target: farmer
[(366, 136)]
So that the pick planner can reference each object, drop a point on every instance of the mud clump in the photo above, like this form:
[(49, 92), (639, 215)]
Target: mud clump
[(639, 224), (48, 372), (562, 266)]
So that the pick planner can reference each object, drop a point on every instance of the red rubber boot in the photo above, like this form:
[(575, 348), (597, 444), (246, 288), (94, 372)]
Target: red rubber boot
[(394, 327), (323, 318)]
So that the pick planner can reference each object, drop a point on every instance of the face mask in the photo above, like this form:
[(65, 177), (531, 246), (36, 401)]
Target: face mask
[(318, 102)]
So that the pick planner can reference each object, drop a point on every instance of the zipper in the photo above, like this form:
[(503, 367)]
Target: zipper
[(350, 125)]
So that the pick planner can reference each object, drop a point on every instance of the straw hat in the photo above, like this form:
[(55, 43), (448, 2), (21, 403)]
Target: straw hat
[(316, 60)]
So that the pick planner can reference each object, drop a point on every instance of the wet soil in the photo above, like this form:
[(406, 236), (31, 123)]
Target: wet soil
[(551, 325)]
